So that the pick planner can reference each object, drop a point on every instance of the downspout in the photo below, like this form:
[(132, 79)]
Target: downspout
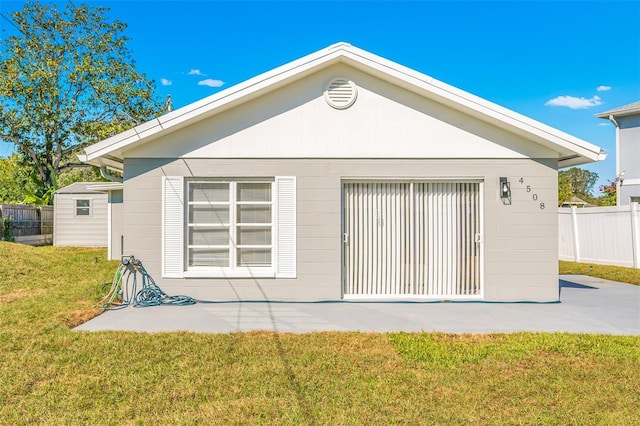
[(105, 174), (618, 180)]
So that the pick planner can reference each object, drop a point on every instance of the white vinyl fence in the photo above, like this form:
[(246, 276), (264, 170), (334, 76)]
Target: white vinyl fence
[(603, 235)]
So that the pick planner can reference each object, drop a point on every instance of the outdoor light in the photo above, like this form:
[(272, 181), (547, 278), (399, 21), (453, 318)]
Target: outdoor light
[(505, 191)]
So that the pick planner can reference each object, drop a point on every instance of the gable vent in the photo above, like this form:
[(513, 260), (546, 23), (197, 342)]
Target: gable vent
[(341, 93)]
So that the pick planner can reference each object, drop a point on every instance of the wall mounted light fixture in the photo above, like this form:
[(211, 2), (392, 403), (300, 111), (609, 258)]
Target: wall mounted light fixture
[(505, 191)]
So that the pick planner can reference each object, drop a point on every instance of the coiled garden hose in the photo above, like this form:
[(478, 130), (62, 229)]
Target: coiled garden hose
[(122, 291)]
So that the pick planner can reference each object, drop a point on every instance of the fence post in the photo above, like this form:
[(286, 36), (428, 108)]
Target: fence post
[(635, 234), (574, 231)]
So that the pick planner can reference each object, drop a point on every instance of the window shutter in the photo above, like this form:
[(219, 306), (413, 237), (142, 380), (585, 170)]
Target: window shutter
[(286, 227), (172, 227)]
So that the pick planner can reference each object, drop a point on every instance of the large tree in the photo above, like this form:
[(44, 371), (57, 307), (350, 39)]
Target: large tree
[(578, 182), (67, 79)]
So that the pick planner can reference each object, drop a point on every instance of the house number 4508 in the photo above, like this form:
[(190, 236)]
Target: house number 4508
[(534, 195)]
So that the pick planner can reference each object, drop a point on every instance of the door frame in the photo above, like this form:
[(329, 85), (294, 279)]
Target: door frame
[(480, 242)]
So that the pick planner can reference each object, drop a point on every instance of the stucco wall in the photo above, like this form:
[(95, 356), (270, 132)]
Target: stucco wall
[(520, 240)]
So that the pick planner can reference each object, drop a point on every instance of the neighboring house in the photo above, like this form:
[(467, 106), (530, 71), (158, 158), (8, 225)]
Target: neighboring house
[(87, 214), (343, 175), (626, 119)]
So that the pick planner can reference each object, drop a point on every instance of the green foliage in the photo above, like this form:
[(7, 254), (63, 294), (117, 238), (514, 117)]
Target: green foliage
[(80, 174), (14, 180), (6, 229), (578, 182), (19, 184), (609, 195), (44, 196), (67, 80)]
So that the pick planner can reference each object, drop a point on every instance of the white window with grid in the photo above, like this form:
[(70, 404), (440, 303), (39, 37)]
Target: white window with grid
[(229, 228), (230, 225)]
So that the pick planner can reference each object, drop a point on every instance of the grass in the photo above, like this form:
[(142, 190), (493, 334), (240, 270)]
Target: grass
[(50, 374), (607, 272)]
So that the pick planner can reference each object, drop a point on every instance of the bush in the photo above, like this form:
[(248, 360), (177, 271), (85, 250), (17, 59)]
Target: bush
[(6, 229)]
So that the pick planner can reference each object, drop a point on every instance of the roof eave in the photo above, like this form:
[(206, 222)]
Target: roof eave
[(111, 163), (579, 160), (213, 104), (606, 115), (110, 151), (475, 106)]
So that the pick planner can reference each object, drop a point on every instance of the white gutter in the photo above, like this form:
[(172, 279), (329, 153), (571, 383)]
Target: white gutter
[(108, 176)]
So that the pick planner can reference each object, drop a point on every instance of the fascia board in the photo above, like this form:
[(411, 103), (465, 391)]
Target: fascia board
[(625, 113), (108, 162), (106, 186), (404, 77), (213, 104), (577, 160), (474, 105)]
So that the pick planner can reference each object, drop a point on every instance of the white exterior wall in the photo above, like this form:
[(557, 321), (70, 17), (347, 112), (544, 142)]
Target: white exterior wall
[(85, 231), (388, 133), (520, 240), (629, 157), (384, 122), (116, 223)]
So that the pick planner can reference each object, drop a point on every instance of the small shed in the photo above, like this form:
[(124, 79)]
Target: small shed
[(81, 215)]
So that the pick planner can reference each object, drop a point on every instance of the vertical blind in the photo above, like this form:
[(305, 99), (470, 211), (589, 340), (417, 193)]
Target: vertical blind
[(412, 238)]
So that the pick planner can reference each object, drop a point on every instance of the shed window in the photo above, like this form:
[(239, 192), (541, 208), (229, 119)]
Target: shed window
[(83, 207)]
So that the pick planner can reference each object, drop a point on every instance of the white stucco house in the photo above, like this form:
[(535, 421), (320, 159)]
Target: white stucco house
[(343, 175), (626, 120)]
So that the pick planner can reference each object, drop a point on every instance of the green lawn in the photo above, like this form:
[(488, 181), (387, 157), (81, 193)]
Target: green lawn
[(614, 273), (52, 375)]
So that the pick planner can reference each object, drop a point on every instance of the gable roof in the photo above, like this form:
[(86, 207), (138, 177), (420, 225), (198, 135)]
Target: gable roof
[(571, 150), (629, 109)]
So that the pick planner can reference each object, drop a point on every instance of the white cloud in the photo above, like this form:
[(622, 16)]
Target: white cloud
[(195, 71), (574, 103), (210, 82), (604, 124), (166, 82), (603, 88)]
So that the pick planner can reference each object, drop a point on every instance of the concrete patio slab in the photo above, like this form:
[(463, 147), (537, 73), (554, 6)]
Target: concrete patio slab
[(587, 305)]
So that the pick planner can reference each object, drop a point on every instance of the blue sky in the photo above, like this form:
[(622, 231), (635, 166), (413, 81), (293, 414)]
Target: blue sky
[(556, 62)]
